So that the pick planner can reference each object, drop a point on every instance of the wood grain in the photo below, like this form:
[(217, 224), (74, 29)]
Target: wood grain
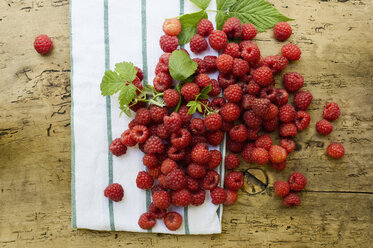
[(336, 37)]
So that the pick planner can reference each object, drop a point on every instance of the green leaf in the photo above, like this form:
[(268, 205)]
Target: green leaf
[(111, 83), (192, 110), (127, 94), (203, 4), (206, 90), (203, 97), (224, 4), (181, 65), (126, 71), (220, 18), (189, 25), (127, 111)]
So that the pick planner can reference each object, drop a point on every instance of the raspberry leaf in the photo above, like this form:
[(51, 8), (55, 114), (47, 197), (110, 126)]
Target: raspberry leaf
[(203, 4), (224, 4), (181, 65), (193, 105), (113, 81), (126, 71), (127, 94), (189, 25), (206, 90)]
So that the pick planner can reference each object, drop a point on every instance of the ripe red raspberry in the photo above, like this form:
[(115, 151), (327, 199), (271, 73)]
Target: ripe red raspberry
[(238, 133), (249, 31), (213, 122), (218, 102), (248, 152), (224, 63), (281, 188), (331, 111), (150, 161), (162, 131), (335, 150), (192, 184), (173, 221), (176, 154), (175, 180), (168, 43), (287, 113), (146, 221), (291, 51), (172, 122), (210, 63), (143, 117), (302, 100), (233, 93), (230, 112), (253, 88), (291, 200), (171, 97), (260, 106), (218, 195), (272, 112), (279, 166), (288, 144), (277, 154), (200, 153), (172, 27), (117, 148), (202, 80), (189, 91), (250, 52), (157, 113), (302, 120), (183, 112), (215, 88), (276, 63), (162, 81), (324, 127), (282, 31), (268, 93), (204, 27), (240, 67), (293, 81), (139, 73), (201, 66), (144, 180), (126, 138), (198, 197), (282, 97), (215, 159), (270, 125), (297, 181), (218, 39), (288, 129), (252, 133), (232, 161), (232, 27), (181, 138), (43, 44), (246, 101), (181, 198), (263, 76), (215, 138), (161, 199), (234, 180), (226, 79), (231, 198), (154, 145), (114, 192), (168, 165), (260, 155), (196, 170), (211, 180), (155, 172), (198, 44), (197, 126), (155, 212), (140, 133), (157, 188), (232, 49), (264, 141)]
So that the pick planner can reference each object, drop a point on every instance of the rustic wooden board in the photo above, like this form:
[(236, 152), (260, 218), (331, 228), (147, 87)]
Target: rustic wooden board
[(336, 38)]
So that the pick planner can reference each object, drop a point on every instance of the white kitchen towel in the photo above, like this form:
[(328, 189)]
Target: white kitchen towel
[(103, 33)]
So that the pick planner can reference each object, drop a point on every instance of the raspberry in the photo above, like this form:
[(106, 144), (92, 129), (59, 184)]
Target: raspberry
[(335, 150), (172, 27), (155, 212), (175, 153), (272, 112), (282, 97), (181, 198), (165, 58), (157, 113), (291, 51), (171, 97), (218, 39), (233, 93), (172, 122), (215, 138), (138, 84), (246, 101), (157, 187), (143, 117), (252, 133), (232, 161), (288, 129), (293, 81), (155, 172), (198, 197), (168, 43), (260, 106), (248, 152), (234, 147), (277, 154), (211, 180), (175, 180), (139, 73), (215, 88), (243, 86), (230, 112), (232, 49), (282, 31), (162, 81), (183, 112), (234, 180), (161, 67), (150, 160), (117, 148), (146, 221), (268, 93), (215, 159), (137, 106), (126, 138), (288, 144), (287, 113), (181, 138), (263, 76), (260, 155), (200, 154), (189, 91), (238, 133), (43, 44), (297, 181), (218, 195), (245, 43), (280, 166), (253, 88), (202, 80), (210, 63), (161, 131), (218, 102), (231, 198), (196, 170), (264, 141), (198, 44), (276, 63), (154, 145), (197, 126), (331, 111), (232, 27), (114, 192), (144, 180), (291, 200), (204, 27), (192, 184), (140, 133), (224, 63), (161, 199), (302, 120), (281, 188), (213, 122), (173, 221), (226, 79), (240, 67), (249, 31), (201, 66), (250, 53), (324, 127), (168, 165), (270, 125)]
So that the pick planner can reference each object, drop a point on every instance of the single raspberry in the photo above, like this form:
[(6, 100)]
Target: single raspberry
[(277, 154), (157, 113), (150, 160), (210, 63), (280, 166), (233, 93), (192, 184), (172, 27), (171, 97), (168, 165), (243, 86), (270, 125), (197, 126), (189, 91), (202, 80), (162, 81), (232, 161), (196, 170), (213, 122), (139, 73), (248, 152), (234, 180), (240, 67), (140, 133), (215, 138), (165, 58), (288, 129), (302, 120), (137, 106), (224, 63), (246, 101), (218, 39), (291, 200), (226, 79), (117, 148), (168, 43), (218, 195), (198, 197), (276, 63), (204, 27), (250, 53), (181, 198), (211, 180), (231, 198), (161, 199), (215, 159), (272, 112), (234, 147), (201, 66), (232, 49), (198, 44), (288, 144), (155, 212), (263, 76), (291, 51), (238, 133), (282, 31), (218, 102), (335, 150), (43, 44), (287, 113), (172, 122), (293, 81), (138, 84), (162, 131), (200, 153), (155, 172), (161, 67), (144, 180), (175, 180), (252, 133), (264, 141), (253, 88), (260, 155), (331, 111), (143, 117), (232, 27), (268, 93), (173, 221), (324, 127), (146, 221), (230, 112), (281, 188), (157, 188), (282, 97), (181, 138), (126, 138), (183, 112), (154, 145), (215, 88), (114, 192), (176, 154), (260, 106), (297, 181), (249, 31)]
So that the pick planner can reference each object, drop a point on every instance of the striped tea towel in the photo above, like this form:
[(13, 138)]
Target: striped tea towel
[(103, 33)]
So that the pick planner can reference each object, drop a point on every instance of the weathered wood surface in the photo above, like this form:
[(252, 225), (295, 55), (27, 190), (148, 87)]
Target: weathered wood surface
[(337, 210)]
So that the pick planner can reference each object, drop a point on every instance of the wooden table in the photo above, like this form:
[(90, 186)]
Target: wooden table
[(337, 209)]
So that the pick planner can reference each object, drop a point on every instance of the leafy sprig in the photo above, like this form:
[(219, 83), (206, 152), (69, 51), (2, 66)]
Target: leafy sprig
[(197, 104)]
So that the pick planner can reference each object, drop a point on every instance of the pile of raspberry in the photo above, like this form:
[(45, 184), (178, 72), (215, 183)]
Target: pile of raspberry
[(288, 189)]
